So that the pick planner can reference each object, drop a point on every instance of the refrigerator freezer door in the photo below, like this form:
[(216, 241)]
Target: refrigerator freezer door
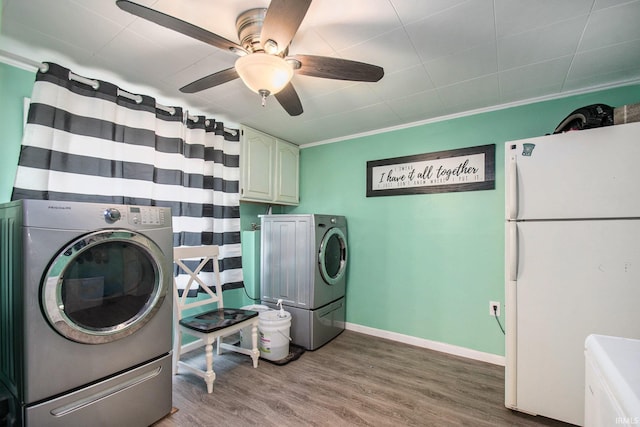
[(574, 278), (583, 174)]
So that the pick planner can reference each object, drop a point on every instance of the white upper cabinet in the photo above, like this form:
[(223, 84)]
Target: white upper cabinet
[(268, 168)]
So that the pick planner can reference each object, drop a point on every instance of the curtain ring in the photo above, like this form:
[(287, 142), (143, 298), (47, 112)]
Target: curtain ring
[(95, 84)]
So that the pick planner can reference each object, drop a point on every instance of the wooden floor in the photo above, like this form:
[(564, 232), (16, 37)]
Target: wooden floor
[(355, 380)]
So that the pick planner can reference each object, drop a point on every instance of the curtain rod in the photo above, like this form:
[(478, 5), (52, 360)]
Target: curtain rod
[(138, 99), (95, 84)]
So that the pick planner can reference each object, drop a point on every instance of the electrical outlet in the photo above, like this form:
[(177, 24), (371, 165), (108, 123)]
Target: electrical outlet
[(494, 304)]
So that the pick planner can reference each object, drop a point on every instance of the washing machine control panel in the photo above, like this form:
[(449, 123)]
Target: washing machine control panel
[(145, 215), (136, 215)]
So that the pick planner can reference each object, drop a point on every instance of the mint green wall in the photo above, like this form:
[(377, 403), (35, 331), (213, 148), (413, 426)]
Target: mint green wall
[(428, 265), (15, 85)]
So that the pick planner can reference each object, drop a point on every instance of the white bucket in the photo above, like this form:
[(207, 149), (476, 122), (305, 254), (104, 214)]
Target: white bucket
[(245, 333), (274, 334)]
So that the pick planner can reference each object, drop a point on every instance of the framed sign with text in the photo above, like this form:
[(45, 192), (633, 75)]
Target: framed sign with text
[(464, 169)]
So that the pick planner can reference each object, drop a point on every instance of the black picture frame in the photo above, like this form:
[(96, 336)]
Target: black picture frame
[(464, 169)]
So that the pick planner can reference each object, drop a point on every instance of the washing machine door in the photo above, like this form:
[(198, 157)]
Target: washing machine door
[(332, 257), (104, 286)]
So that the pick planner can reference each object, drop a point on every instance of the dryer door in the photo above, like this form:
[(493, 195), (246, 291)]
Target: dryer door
[(104, 286), (333, 255)]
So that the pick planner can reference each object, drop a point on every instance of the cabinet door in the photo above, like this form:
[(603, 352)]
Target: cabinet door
[(258, 165), (288, 156)]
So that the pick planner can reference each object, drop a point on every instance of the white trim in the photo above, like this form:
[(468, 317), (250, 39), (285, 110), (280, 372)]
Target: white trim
[(477, 111), (494, 359), (18, 61)]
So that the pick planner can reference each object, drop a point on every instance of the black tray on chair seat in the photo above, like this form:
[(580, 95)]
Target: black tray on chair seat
[(217, 319)]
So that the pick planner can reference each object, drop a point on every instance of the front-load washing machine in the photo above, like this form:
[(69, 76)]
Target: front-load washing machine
[(86, 312), (303, 262)]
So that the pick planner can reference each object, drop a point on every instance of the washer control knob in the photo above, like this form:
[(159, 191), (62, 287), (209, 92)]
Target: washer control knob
[(112, 214)]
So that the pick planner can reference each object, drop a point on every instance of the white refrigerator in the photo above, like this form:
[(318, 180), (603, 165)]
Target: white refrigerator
[(572, 243)]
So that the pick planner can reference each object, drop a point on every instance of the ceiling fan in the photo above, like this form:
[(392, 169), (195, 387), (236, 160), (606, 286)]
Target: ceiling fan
[(264, 63)]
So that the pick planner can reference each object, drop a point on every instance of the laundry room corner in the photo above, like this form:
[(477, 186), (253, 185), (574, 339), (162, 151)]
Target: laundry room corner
[(250, 214), (427, 265)]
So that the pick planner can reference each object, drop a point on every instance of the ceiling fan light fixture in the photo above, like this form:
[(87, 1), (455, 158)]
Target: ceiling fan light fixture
[(262, 72)]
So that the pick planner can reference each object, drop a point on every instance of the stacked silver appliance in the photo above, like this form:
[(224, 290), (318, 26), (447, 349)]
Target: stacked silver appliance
[(572, 260), (304, 262), (86, 313)]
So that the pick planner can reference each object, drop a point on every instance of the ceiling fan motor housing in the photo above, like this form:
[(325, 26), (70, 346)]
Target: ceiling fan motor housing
[(249, 27)]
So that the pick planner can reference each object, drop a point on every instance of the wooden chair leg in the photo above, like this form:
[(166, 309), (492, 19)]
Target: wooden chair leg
[(177, 347), (219, 350), (209, 375), (255, 353)]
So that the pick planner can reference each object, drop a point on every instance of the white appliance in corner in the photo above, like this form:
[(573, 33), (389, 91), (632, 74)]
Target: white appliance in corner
[(304, 263), (612, 381), (572, 260)]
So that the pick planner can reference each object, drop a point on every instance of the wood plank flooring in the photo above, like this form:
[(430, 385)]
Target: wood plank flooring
[(355, 380)]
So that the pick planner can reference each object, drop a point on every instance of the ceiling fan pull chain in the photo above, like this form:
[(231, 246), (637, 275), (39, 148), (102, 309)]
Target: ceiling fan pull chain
[(264, 94)]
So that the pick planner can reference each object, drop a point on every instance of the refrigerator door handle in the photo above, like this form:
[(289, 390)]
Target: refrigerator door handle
[(512, 188), (512, 260), (511, 316)]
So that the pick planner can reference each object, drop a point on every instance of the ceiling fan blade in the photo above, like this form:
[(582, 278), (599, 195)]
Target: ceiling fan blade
[(211, 80), (337, 68), (281, 22), (180, 26), (288, 98)]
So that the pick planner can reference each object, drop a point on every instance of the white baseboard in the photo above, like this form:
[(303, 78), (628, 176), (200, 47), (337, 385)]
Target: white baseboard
[(432, 345)]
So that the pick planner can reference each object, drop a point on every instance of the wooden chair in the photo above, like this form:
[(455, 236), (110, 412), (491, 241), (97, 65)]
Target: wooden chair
[(214, 323)]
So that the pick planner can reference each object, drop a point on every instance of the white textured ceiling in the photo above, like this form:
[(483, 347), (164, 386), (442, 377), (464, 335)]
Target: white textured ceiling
[(441, 57)]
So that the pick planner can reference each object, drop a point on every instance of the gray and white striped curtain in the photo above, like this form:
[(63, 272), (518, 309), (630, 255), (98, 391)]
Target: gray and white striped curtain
[(85, 142)]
